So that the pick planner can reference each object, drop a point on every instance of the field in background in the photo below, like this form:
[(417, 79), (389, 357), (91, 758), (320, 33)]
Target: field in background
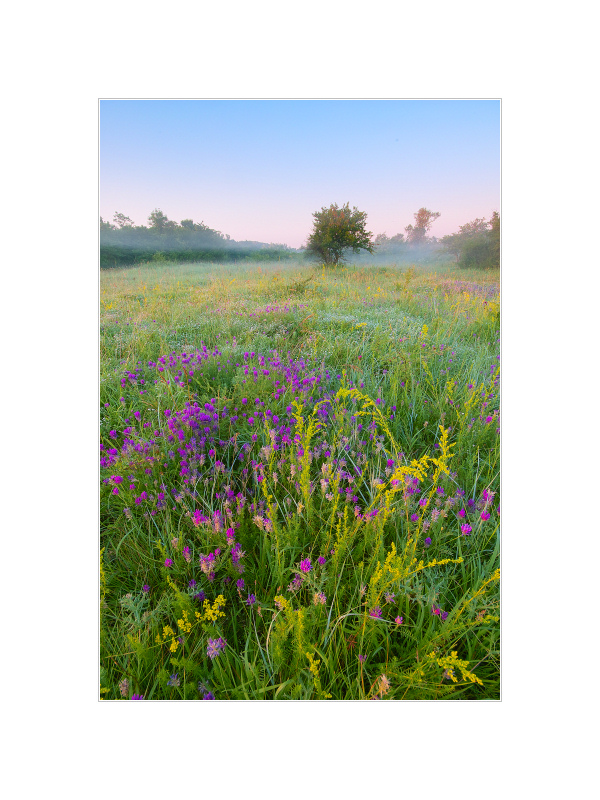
[(300, 476)]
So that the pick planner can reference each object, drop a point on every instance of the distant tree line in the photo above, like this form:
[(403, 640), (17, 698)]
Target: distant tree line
[(476, 244), (339, 231), (122, 243)]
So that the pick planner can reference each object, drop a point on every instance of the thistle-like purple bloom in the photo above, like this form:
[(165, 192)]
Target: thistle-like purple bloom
[(215, 646), (465, 529), (305, 565)]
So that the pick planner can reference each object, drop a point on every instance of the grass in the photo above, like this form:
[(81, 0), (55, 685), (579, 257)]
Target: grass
[(299, 483)]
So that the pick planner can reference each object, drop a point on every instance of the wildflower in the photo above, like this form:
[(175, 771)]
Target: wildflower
[(384, 685), (399, 620), (427, 541), (362, 659), (192, 584), (200, 597), (296, 583), (389, 597), (375, 613), (435, 610), (168, 562), (145, 588), (414, 517), (305, 565), (251, 600), (465, 529), (462, 513), (440, 491), (322, 560), (137, 696), (215, 646), (240, 583), (124, 687), (319, 599), (174, 680), (444, 616), (423, 502), (485, 516), (174, 542), (208, 696)]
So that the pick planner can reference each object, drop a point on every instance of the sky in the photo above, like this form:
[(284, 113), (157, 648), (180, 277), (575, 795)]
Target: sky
[(258, 169)]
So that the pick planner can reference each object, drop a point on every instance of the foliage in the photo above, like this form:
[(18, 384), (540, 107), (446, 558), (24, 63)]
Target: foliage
[(476, 244), (124, 244), (299, 497), (424, 218), (336, 231)]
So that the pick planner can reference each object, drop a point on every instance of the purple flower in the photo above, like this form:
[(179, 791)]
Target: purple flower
[(208, 696), (174, 680), (251, 600), (465, 529), (444, 616), (462, 513), (362, 659), (305, 565), (215, 646), (137, 696), (191, 584), (168, 562), (240, 583), (145, 588), (200, 597), (321, 560), (399, 620), (485, 516), (427, 541), (414, 517), (375, 612)]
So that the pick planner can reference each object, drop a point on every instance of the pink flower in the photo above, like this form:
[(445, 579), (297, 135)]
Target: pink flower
[(305, 565), (465, 529), (168, 562), (485, 516), (462, 513), (399, 620)]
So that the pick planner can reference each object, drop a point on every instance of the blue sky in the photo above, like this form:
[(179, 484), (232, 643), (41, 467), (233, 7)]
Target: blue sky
[(258, 169)]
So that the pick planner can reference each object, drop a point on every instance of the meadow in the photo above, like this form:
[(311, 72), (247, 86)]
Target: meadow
[(299, 482)]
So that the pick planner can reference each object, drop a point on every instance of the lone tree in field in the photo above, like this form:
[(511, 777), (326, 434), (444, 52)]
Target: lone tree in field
[(337, 230), (424, 218)]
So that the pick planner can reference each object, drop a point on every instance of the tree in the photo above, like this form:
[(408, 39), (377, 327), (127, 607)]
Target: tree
[(455, 243), (160, 223), (424, 218), (337, 230), (122, 221), (477, 243)]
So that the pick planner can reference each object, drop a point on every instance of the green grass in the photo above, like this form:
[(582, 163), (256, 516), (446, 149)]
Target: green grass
[(408, 362)]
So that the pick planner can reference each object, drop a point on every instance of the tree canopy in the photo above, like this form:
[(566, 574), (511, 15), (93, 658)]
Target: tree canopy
[(336, 231), (424, 218)]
